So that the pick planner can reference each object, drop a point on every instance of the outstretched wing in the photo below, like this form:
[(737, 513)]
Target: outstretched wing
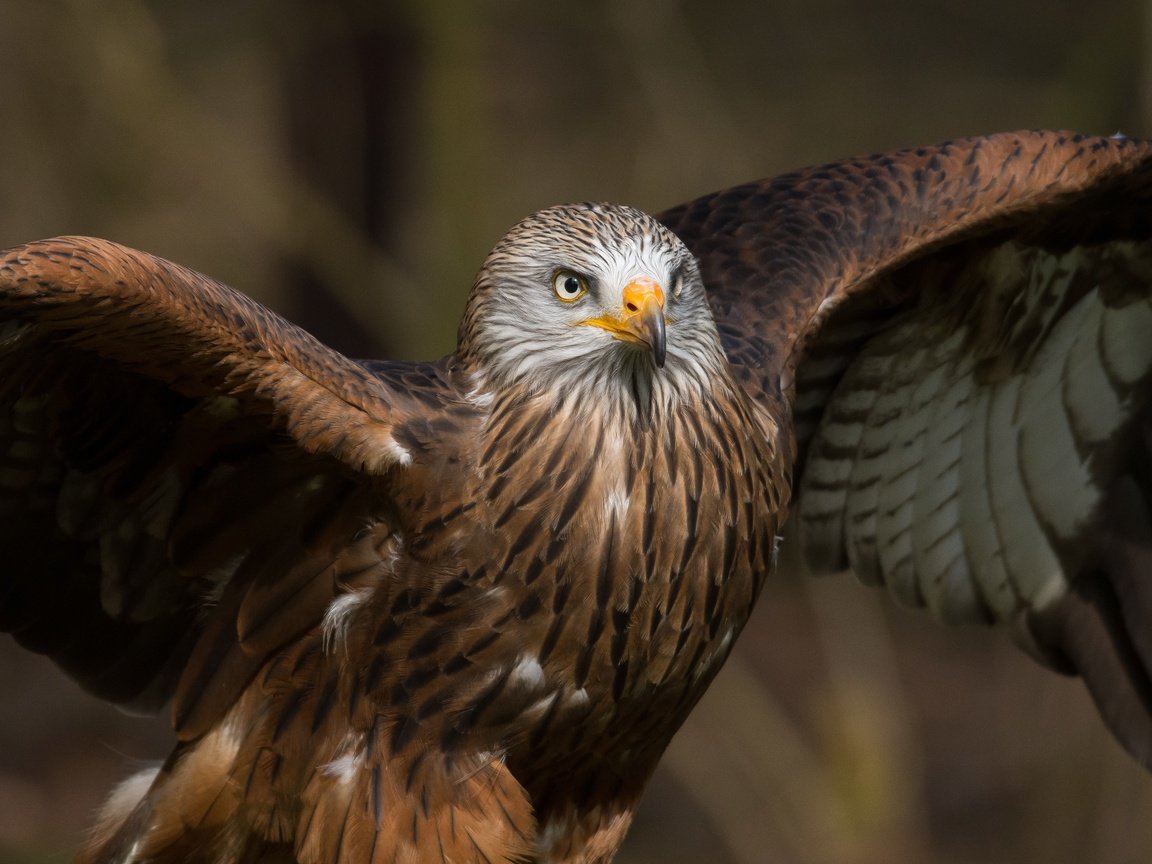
[(184, 476), (968, 329)]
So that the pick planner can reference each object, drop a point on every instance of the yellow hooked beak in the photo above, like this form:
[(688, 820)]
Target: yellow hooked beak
[(640, 319)]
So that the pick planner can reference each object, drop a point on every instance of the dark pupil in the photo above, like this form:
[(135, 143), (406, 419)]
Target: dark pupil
[(571, 285)]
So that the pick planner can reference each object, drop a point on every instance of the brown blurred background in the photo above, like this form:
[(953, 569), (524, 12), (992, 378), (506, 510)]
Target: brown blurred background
[(350, 163)]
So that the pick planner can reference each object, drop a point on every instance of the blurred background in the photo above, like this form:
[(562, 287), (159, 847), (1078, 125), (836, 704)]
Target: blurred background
[(350, 163)]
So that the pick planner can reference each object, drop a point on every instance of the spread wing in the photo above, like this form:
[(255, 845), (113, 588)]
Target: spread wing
[(968, 329), (184, 476)]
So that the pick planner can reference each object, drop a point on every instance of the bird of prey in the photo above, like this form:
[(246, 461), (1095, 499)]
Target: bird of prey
[(455, 611)]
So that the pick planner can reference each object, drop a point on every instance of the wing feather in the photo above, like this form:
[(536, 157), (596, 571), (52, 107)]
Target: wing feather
[(200, 337), (965, 334), (939, 556), (867, 471), (981, 534), (183, 467)]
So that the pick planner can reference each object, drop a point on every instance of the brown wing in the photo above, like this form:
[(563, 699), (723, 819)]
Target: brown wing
[(168, 448), (969, 330)]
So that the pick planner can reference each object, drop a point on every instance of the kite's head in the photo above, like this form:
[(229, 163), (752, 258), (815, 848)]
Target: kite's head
[(587, 292)]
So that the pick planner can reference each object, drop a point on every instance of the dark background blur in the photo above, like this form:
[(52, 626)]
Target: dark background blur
[(350, 164)]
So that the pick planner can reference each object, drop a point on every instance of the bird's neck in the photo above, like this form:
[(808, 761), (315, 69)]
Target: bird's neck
[(624, 389)]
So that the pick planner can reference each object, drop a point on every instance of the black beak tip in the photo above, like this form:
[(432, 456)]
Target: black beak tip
[(659, 350)]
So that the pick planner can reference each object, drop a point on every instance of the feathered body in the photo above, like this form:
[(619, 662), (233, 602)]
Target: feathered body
[(545, 590)]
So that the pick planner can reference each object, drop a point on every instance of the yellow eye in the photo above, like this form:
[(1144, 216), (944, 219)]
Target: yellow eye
[(569, 286)]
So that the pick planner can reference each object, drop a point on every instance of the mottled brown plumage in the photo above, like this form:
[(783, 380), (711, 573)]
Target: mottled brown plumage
[(456, 611)]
